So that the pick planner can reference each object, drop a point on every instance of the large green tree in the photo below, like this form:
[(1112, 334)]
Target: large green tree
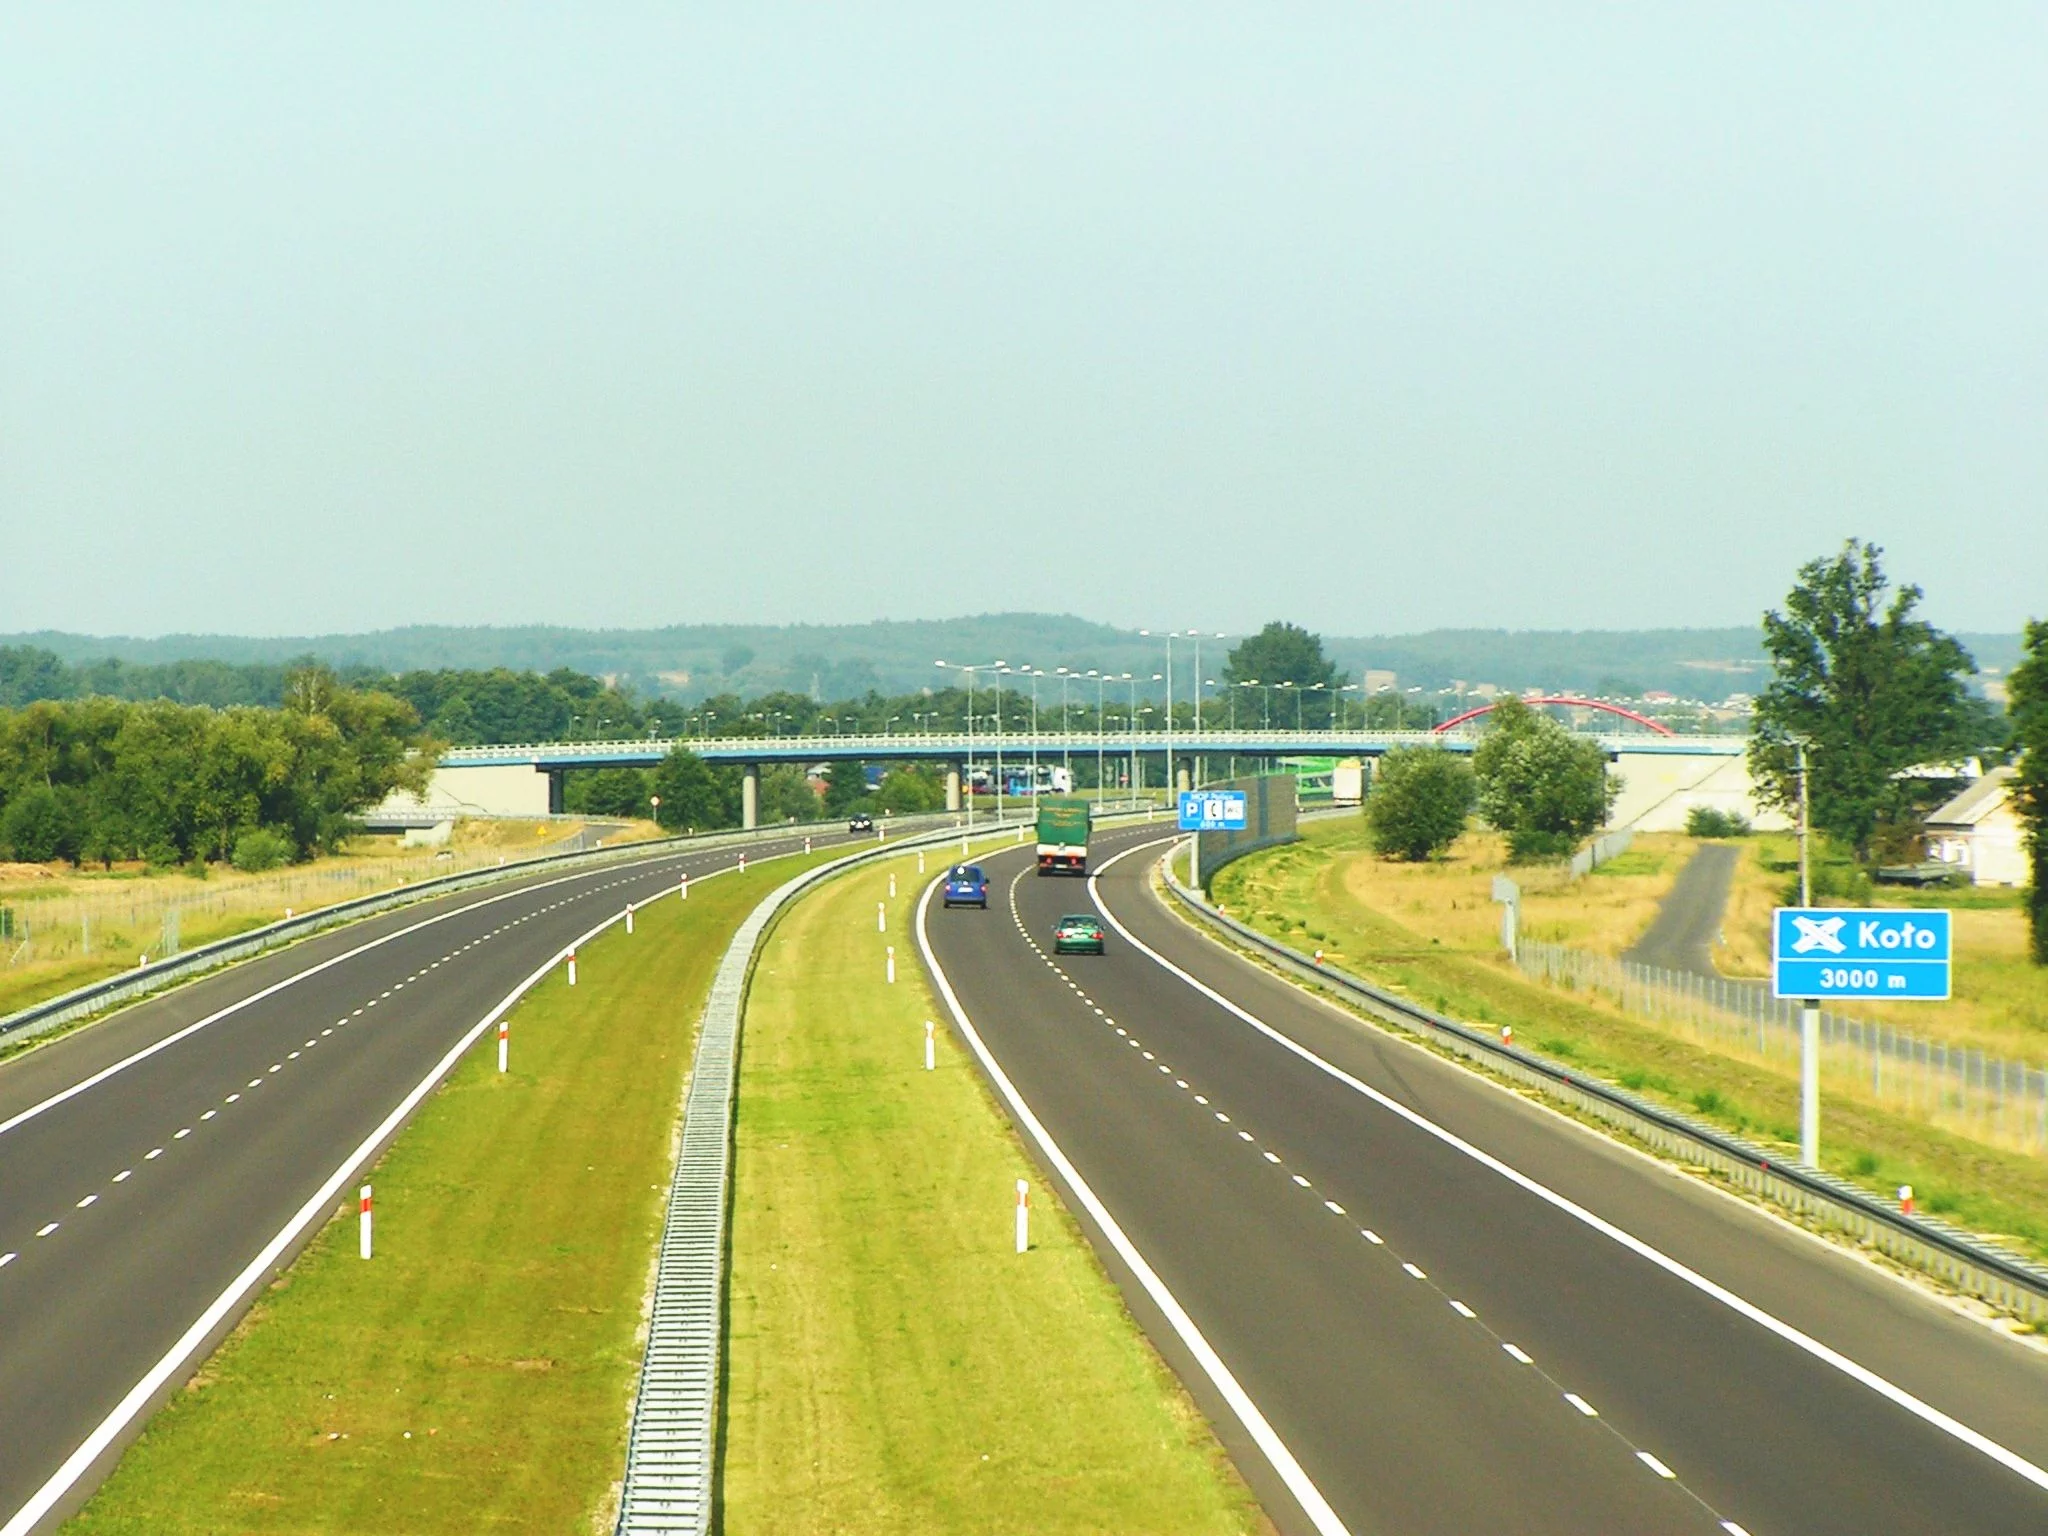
[(1290, 660), (2029, 709), (1420, 799), (1544, 787), (693, 796), (1871, 689)]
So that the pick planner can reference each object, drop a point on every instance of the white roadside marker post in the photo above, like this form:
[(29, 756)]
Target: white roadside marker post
[(363, 1222), (920, 861), (683, 885), (892, 885), (743, 861), (892, 965), (930, 1057), (881, 918), (1023, 1216), (629, 917), (572, 967), (504, 1041), (807, 845)]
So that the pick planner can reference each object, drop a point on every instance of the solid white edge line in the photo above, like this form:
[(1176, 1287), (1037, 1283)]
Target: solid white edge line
[(1268, 1440), (315, 1210), (85, 1083), (1858, 1373)]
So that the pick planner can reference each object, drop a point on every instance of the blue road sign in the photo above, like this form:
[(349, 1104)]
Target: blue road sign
[(1856, 952), (1212, 810)]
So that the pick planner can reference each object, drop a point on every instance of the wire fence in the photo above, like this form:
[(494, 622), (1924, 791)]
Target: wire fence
[(1989, 1098)]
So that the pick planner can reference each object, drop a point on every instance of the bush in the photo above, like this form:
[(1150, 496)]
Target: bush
[(1544, 787), (262, 848), (1706, 821), (1420, 799), (40, 824)]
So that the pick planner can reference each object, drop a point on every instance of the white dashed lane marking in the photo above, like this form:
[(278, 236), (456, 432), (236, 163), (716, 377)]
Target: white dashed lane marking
[(1413, 1270)]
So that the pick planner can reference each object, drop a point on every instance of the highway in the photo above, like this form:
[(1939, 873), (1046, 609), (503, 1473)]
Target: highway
[(148, 1162), (1413, 1301)]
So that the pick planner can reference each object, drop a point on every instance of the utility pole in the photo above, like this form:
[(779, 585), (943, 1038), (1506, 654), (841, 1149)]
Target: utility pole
[(1809, 1008)]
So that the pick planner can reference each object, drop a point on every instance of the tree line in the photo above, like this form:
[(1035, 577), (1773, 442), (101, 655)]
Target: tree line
[(102, 779), (1868, 695)]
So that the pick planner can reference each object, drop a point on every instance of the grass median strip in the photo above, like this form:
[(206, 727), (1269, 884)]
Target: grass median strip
[(477, 1374), (894, 1366)]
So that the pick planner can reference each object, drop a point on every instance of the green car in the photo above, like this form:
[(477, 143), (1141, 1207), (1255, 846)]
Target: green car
[(1077, 934)]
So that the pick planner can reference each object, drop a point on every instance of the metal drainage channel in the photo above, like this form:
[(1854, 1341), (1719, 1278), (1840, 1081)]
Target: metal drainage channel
[(671, 1459)]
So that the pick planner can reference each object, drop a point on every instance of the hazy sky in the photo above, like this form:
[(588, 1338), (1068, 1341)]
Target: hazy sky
[(1379, 318)]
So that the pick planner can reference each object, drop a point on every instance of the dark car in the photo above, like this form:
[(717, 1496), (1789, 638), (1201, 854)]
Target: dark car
[(966, 886), (860, 821), (1077, 933)]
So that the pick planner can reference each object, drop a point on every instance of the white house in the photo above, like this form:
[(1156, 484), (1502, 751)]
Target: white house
[(1980, 831)]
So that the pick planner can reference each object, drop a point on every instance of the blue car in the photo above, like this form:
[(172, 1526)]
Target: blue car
[(966, 886)]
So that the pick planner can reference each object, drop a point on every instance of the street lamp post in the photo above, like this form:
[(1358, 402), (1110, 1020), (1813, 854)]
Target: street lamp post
[(1097, 675), (1131, 725), (985, 666), (1809, 1008), (1066, 730)]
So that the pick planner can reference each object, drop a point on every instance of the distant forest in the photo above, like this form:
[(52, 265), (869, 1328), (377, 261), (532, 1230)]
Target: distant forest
[(689, 664)]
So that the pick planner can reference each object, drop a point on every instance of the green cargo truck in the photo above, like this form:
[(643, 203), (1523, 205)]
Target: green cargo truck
[(1063, 836)]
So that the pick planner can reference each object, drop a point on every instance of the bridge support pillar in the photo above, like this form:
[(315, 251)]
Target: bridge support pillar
[(555, 778), (750, 796), (952, 786), (1184, 775)]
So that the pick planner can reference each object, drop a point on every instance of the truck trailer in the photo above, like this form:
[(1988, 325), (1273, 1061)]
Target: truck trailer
[(1062, 836)]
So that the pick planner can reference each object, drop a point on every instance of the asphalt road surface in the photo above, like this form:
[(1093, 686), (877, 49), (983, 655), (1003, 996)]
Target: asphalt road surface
[(1412, 1301), (1682, 936), (147, 1161)]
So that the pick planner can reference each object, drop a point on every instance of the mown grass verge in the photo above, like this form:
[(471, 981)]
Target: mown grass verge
[(893, 1365), (477, 1374), (1303, 888)]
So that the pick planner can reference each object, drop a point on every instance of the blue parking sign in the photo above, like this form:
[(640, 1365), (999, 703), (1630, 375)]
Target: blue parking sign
[(1212, 810), (1855, 952)]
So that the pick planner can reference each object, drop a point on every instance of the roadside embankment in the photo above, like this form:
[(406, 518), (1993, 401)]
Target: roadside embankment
[(1425, 942)]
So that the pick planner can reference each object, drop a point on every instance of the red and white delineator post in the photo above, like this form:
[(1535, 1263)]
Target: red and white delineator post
[(743, 861), (930, 1051), (892, 965), (363, 1221), (572, 967), (504, 1041), (892, 885), (807, 845), (1023, 1216), (629, 917), (881, 917), (1906, 1199), (683, 885)]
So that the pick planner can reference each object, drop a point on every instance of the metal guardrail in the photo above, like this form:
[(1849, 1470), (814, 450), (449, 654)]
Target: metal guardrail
[(1960, 1259), (671, 1457), (115, 991)]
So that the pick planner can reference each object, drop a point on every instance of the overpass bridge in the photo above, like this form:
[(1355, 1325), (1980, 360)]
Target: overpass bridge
[(526, 778)]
